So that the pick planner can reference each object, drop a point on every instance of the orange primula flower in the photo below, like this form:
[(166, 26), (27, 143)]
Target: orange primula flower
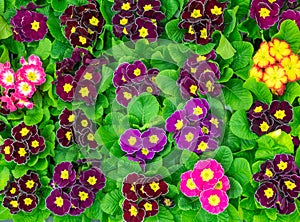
[(291, 66), (263, 58), (279, 49)]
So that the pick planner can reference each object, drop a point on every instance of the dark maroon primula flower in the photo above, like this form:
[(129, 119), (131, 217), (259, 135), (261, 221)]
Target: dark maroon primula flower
[(58, 202), (86, 91), (135, 72), (84, 196), (145, 30), (124, 5), (21, 152), (29, 182), (147, 5), (193, 11), (150, 206), (67, 118), (119, 74), (12, 189), (283, 163), (266, 172), (188, 87), (22, 132), (155, 186), (93, 20), (281, 111), (129, 186), (36, 144), (93, 179), (267, 194), (262, 125), (290, 185), (12, 204), (7, 149), (65, 87), (81, 38), (204, 143), (257, 110), (65, 136), (87, 138), (131, 212), (285, 205), (64, 174), (28, 202)]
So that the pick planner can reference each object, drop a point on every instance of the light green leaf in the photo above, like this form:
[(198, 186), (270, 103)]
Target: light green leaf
[(259, 89), (235, 190), (224, 157), (5, 30), (240, 170), (110, 202), (166, 81), (291, 92), (225, 49), (44, 49), (174, 33), (243, 55), (4, 172)]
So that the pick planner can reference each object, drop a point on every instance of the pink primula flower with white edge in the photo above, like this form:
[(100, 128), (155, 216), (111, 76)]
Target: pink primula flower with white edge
[(188, 186), (24, 89), (207, 172), (32, 73), (214, 201), (9, 103), (32, 60)]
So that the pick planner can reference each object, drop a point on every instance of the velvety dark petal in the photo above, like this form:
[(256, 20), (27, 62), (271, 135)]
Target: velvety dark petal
[(290, 185), (29, 182), (21, 132), (131, 212), (285, 205), (267, 194), (283, 163), (150, 206), (64, 174), (58, 202), (65, 88), (86, 91), (135, 72), (129, 189), (281, 111), (262, 125), (266, 172), (193, 11), (12, 204), (257, 110), (7, 149), (12, 189), (124, 5), (28, 202), (93, 20), (83, 195), (147, 5), (125, 94), (93, 179), (80, 38), (21, 152), (36, 144), (65, 136)]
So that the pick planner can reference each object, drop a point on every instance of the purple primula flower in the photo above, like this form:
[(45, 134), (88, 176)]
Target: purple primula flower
[(193, 11), (81, 122), (36, 144), (145, 154), (123, 23), (67, 118), (145, 30), (29, 182), (135, 72), (7, 149), (290, 14), (187, 137), (154, 139), (75, 210), (89, 73), (266, 172), (65, 87), (64, 174), (84, 196), (188, 86), (124, 5), (290, 185), (119, 75), (21, 153), (257, 110), (87, 138), (125, 94), (148, 86), (93, 179), (281, 111), (65, 136), (129, 190), (130, 141), (86, 91), (283, 163), (202, 144), (58, 202), (207, 84), (150, 206), (265, 14), (203, 33), (262, 125), (196, 109), (267, 194), (27, 202), (285, 205), (22, 132), (81, 38), (147, 5), (176, 121)]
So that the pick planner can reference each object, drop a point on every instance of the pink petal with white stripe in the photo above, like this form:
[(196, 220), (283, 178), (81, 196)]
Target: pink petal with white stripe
[(7, 79), (24, 89), (32, 60), (33, 74)]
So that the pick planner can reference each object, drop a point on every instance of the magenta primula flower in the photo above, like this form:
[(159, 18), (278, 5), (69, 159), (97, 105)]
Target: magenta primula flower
[(290, 14), (214, 201), (188, 186)]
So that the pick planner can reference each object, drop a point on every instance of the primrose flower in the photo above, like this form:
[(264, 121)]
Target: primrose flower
[(7, 78), (257, 110), (266, 172), (7, 149), (281, 111), (188, 186), (154, 139), (291, 66), (129, 190), (58, 202), (93, 179), (262, 125), (131, 141), (202, 144), (144, 6), (64, 174), (155, 187), (135, 72), (214, 201), (150, 207), (65, 88), (124, 5), (176, 121), (29, 182), (267, 194), (279, 49), (187, 137), (67, 117), (145, 30), (289, 14), (196, 109), (84, 196), (87, 138), (125, 94), (285, 206), (27, 202), (262, 57), (21, 153), (131, 212), (12, 189), (86, 91), (65, 136), (12, 204), (36, 144)]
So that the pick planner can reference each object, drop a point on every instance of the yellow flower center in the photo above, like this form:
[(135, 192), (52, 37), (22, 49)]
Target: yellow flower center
[(22, 152), (26, 88), (125, 31), (209, 86), (14, 203), (13, 190), (215, 121), (84, 91), (198, 111), (203, 33), (35, 144), (90, 137), (143, 32), (196, 13), (35, 25), (145, 151), (88, 76), (269, 193), (92, 180), (154, 186), (179, 124), (153, 139), (9, 79), (137, 72), (133, 211), (193, 70), (190, 184), (148, 7), (264, 127), (201, 58), (191, 30), (149, 89), (126, 6), (90, 31), (94, 21), (264, 13), (189, 137), (202, 146), (68, 135), (282, 165), (258, 109), (132, 140), (24, 131), (32, 76), (193, 89), (71, 118), (123, 21), (84, 123), (127, 95), (219, 185), (148, 206), (73, 30), (290, 185), (82, 40), (7, 150), (83, 195), (132, 188), (207, 174), (64, 175), (280, 114), (205, 130), (29, 184), (216, 10), (214, 200), (59, 201), (28, 201), (67, 87), (167, 202), (268, 173)]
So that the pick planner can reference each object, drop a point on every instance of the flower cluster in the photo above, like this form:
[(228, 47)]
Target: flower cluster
[(26, 141), (74, 190), (199, 75), (28, 25), (201, 19), (193, 128), (83, 24), (76, 127), (267, 13), (21, 85), (265, 119), (275, 64), (132, 80), (280, 183), (20, 193), (208, 182), (79, 85), (140, 147), (141, 194), (137, 20)]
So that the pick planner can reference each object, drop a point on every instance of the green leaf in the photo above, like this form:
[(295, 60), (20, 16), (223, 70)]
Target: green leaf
[(59, 48), (4, 172), (296, 122), (106, 81), (44, 49), (53, 24), (236, 96), (297, 158), (225, 49), (224, 157), (4, 57), (226, 75), (235, 190), (250, 27), (174, 33), (5, 30), (144, 107), (110, 202), (107, 135), (163, 215), (291, 92), (33, 116), (59, 5), (240, 170), (19, 171), (239, 126), (259, 89), (166, 81), (244, 7), (188, 203), (243, 55), (229, 21), (169, 8), (106, 11), (289, 32)]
